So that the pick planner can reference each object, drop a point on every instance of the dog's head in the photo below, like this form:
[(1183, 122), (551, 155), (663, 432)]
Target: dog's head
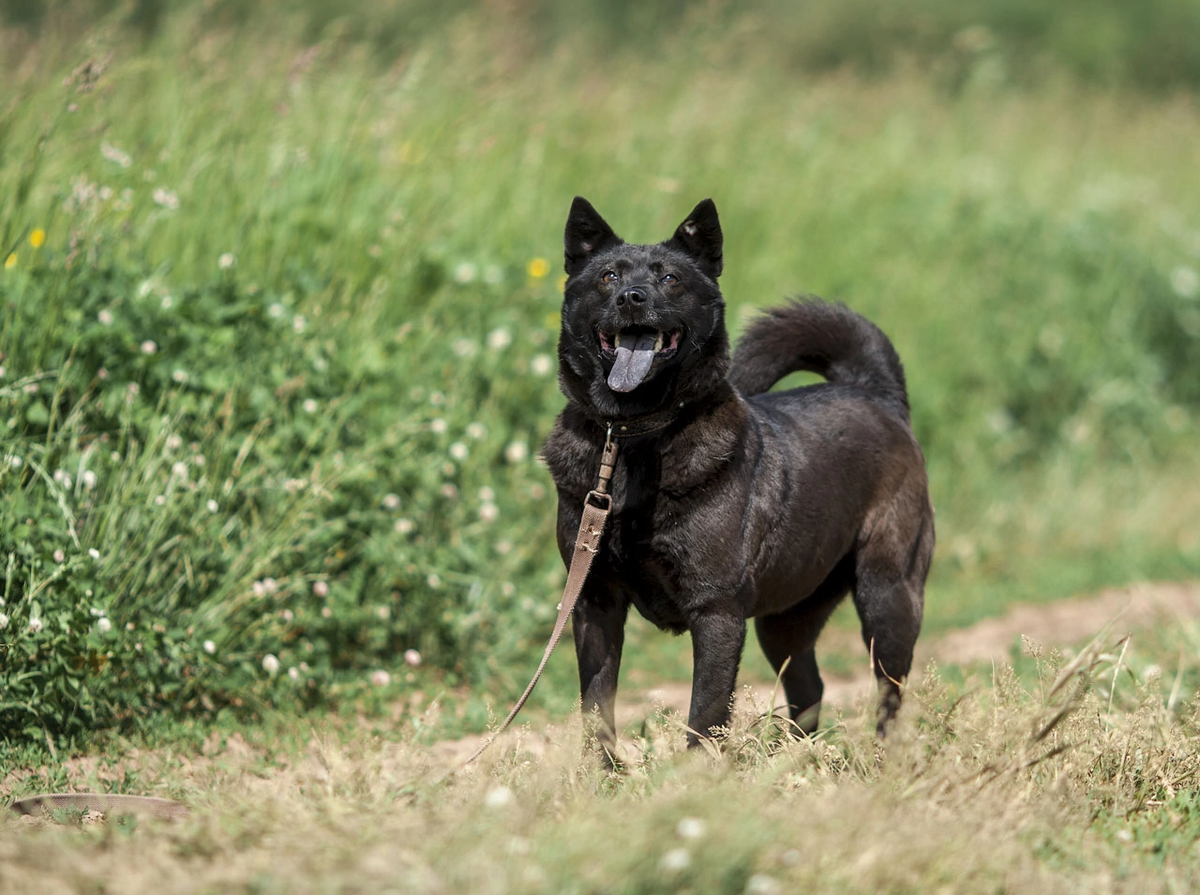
[(643, 326)]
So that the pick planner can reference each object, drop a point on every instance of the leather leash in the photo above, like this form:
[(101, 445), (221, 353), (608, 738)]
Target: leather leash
[(596, 507)]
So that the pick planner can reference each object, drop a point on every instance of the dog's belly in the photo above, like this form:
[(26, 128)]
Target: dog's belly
[(654, 594), (660, 611)]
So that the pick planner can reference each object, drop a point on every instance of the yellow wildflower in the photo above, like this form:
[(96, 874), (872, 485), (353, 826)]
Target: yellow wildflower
[(37, 238), (11, 261), (537, 268)]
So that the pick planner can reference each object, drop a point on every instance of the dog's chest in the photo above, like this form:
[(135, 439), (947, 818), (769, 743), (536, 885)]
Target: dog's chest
[(642, 546)]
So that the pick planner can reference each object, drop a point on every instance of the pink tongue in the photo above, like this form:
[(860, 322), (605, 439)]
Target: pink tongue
[(634, 357)]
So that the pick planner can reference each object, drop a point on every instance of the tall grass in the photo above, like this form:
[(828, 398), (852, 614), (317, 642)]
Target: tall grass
[(275, 379)]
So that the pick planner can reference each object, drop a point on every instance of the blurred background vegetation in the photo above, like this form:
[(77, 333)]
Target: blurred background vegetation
[(279, 302)]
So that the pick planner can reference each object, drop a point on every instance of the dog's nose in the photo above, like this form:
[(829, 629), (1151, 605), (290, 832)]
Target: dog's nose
[(634, 295)]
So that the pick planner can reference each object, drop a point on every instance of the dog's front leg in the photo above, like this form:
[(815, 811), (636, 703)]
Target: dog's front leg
[(717, 640), (598, 625)]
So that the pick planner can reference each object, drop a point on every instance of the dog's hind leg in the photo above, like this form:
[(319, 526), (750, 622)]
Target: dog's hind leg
[(889, 595), (598, 625), (790, 637)]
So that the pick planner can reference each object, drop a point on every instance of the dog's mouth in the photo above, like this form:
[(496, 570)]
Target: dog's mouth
[(634, 351)]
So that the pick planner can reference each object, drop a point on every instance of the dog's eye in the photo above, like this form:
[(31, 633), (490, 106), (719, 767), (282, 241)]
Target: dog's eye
[(669, 279), (609, 276)]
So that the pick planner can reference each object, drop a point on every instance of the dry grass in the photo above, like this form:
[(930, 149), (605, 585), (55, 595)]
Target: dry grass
[(1049, 781)]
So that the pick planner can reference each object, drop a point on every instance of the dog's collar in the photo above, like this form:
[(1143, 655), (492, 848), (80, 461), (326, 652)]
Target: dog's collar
[(642, 425)]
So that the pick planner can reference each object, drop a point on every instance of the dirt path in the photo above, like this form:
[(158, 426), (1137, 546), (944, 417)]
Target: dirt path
[(1066, 623)]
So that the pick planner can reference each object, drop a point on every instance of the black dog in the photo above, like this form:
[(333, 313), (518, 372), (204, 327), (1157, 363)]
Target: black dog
[(729, 502)]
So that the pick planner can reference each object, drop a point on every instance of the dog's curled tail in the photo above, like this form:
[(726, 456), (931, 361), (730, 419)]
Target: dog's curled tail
[(823, 338)]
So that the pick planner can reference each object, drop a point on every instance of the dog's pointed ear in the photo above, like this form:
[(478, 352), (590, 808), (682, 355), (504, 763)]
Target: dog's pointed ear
[(586, 234), (700, 237)]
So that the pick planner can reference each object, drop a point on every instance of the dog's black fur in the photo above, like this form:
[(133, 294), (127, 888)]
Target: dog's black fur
[(730, 502)]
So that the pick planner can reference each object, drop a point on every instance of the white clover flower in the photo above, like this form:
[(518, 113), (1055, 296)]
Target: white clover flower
[(270, 663), (691, 828), (299, 324), (433, 579), (59, 556), (160, 500), (115, 155), (391, 501), (486, 494), (105, 317), (488, 512), (149, 346), (404, 526), (463, 347), (320, 589), (465, 272), (309, 405), (294, 673), (437, 426), (459, 451), (276, 310), (165, 198), (103, 625), (88, 479), (1185, 281), (198, 460), (437, 399), (761, 884), (412, 657), (675, 860), (516, 452), (174, 442), (93, 553), (499, 338), (209, 647), (14, 461), (541, 364), (227, 260), (326, 612), (212, 506), (380, 678), (3, 621), (476, 430), (498, 797), (179, 376), (35, 625), (165, 302), (179, 470)]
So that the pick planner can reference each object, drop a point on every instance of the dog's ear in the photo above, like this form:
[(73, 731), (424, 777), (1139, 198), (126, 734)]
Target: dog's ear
[(587, 233), (700, 237)]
